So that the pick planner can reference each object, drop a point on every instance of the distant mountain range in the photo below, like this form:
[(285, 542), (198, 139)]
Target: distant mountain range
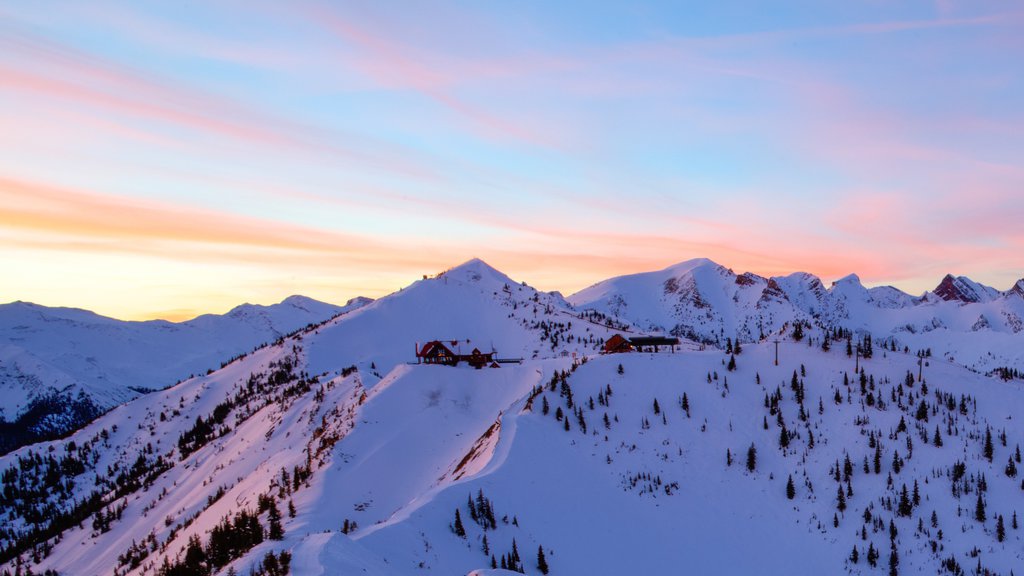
[(707, 302), (59, 367)]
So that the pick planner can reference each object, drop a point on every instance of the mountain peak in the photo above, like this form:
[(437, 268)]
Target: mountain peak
[(474, 270), (848, 279), (693, 264), (1017, 288), (299, 300), (962, 289)]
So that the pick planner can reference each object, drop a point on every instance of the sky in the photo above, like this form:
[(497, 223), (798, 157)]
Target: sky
[(166, 159)]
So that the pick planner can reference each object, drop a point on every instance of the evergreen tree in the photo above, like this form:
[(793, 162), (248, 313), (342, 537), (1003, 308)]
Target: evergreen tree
[(751, 458), (840, 500), (685, 404), (790, 488), (905, 507), (872, 555), (732, 363), (542, 563), (458, 528), (979, 508), (894, 561), (657, 408), (275, 531), (988, 450), (1000, 529)]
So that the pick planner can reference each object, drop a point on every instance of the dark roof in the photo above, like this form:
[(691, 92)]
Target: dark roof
[(654, 341)]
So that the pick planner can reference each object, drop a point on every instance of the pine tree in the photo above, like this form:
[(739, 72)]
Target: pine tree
[(542, 563), (275, 531), (685, 404), (988, 450), (979, 508), (841, 500), (1000, 529), (751, 458), (458, 528), (904, 508), (732, 363), (657, 408), (894, 561), (790, 488)]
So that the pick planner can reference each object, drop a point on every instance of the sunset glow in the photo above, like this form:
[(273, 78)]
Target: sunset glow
[(167, 160)]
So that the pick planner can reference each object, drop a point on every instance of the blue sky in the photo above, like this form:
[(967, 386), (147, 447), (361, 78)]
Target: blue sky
[(169, 159)]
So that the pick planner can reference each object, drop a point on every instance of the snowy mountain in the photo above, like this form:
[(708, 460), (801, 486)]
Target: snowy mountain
[(709, 302), (59, 367), (331, 452)]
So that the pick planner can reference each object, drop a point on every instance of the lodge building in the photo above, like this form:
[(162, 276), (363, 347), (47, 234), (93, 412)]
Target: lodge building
[(441, 352), (618, 344)]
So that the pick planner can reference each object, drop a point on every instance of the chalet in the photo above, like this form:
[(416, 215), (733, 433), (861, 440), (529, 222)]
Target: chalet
[(441, 352), (619, 343), (616, 344)]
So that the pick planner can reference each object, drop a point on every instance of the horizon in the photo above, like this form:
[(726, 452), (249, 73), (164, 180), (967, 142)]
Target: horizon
[(187, 314), (170, 161)]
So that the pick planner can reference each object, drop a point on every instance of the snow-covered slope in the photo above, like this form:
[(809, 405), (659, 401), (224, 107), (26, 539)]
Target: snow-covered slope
[(708, 302), (50, 357), (631, 463), (328, 453)]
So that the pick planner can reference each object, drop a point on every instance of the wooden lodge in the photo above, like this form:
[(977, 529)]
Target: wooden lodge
[(618, 344), (441, 352)]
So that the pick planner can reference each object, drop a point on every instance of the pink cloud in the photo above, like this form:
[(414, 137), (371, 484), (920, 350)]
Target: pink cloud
[(58, 71)]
